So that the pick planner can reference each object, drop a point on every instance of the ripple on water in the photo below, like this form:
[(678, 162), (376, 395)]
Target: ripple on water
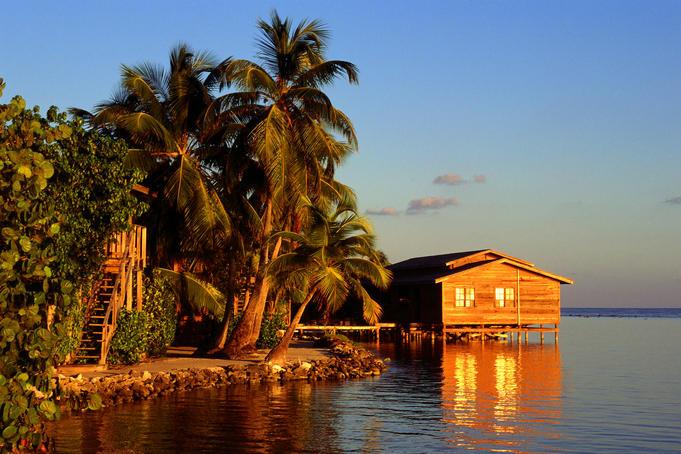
[(597, 391)]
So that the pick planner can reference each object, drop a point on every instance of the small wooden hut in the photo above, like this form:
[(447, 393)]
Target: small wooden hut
[(471, 291)]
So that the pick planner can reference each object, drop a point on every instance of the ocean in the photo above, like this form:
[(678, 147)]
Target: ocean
[(612, 383)]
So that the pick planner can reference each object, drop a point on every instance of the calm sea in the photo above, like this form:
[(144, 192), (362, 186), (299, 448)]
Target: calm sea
[(611, 384)]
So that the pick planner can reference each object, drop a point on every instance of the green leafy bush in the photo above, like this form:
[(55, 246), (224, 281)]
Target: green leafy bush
[(271, 323), (30, 291), (146, 333), (159, 303), (73, 321), (129, 344), (91, 193)]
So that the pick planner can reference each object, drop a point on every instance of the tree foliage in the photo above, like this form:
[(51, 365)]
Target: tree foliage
[(333, 256), (293, 132), (91, 192), (30, 231)]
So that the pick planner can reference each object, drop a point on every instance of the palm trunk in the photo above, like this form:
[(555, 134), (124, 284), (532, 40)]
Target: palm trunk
[(229, 308), (242, 339), (255, 331), (278, 354)]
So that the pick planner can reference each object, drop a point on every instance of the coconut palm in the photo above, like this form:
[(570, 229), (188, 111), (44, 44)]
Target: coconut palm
[(292, 133), (332, 258), (164, 116)]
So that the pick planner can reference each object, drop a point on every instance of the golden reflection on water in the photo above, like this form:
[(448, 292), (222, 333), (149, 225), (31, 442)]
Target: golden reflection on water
[(496, 395)]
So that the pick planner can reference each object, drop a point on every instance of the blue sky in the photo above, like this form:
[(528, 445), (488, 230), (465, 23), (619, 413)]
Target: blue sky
[(569, 111)]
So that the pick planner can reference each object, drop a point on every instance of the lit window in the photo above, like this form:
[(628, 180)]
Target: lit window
[(465, 297), (505, 297)]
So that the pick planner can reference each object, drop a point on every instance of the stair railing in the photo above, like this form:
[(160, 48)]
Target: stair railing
[(119, 293)]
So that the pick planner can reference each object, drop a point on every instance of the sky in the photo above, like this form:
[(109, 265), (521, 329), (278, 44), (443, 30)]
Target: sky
[(547, 130)]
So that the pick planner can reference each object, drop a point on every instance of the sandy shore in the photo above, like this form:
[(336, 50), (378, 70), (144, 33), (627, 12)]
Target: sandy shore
[(179, 358)]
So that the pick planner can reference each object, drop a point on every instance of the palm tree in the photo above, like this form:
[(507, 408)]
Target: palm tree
[(291, 132), (175, 131), (332, 258), (164, 116)]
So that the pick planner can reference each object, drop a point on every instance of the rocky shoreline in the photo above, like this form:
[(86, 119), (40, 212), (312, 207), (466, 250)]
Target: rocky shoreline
[(348, 362)]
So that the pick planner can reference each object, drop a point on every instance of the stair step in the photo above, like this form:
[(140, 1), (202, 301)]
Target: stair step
[(87, 357), (80, 349)]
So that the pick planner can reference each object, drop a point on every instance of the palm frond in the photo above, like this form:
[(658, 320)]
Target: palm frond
[(331, 287), (248, 76), (371, 309), (138, 158), (326, 72), (200, 295), (144, 127)]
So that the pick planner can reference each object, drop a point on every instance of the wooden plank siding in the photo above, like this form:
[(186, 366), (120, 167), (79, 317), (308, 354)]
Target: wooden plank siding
[(538, 297)]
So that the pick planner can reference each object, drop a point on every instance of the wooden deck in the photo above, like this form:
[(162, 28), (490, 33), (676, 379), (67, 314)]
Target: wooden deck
[(419, 331), (373, 329)]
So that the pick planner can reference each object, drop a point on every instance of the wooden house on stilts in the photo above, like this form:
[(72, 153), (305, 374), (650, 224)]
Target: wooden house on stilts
[(474, 292)]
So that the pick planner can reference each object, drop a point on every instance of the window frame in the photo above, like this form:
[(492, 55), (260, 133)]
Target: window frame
[(504, 297), (464, 297)]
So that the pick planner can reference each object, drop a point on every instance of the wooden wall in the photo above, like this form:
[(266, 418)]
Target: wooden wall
[(539, 297)]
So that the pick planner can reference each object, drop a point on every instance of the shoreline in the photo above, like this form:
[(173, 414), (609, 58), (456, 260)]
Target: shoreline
[(180, 358), (117, 385)]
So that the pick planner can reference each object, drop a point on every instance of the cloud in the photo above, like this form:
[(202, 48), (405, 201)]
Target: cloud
[(453, 180), (673, 201), (388, 211), (450, 179), (420, 206)]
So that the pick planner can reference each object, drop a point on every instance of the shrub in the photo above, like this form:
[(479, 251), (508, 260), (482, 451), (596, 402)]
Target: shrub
[(159, 303), (90, 191), (146, 333), (30, 292), (129, 344), (271, 323)]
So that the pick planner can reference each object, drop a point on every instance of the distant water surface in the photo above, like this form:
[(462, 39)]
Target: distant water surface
[(612, 384), (621, 312)]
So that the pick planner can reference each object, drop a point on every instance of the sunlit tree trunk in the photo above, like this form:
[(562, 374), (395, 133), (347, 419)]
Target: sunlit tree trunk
[(242, 339), (255, 331), (278, 354)]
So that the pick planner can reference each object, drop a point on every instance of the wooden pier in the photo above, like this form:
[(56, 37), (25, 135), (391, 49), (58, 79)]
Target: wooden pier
[(505, 331), (419, 331), (374, 330)]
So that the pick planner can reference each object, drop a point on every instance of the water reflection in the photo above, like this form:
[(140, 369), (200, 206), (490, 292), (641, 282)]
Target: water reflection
[(500, 397), (484, 396)]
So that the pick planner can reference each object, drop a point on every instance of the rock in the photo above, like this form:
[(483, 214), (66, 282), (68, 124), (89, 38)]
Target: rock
[(347, 362)]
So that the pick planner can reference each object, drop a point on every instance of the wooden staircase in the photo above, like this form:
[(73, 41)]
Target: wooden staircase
[(91, 336), (120, 285)]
